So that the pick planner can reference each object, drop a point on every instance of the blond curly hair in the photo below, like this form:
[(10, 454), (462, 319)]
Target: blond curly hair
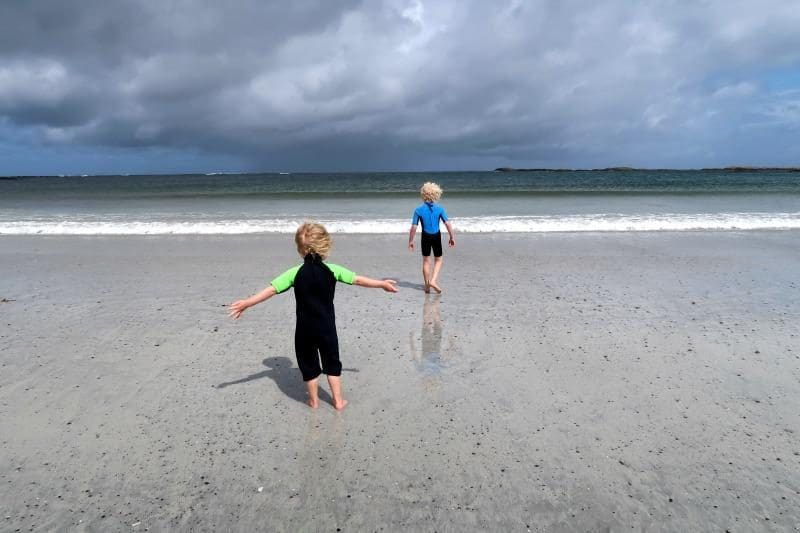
[(430, 192), (312, 238)]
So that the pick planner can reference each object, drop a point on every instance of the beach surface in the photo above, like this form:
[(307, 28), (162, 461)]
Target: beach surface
[(562, 382)]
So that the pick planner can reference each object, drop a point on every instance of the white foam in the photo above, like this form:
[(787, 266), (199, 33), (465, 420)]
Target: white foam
[(488, 224)]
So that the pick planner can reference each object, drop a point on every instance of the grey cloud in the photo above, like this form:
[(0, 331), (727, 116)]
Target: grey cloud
[(399, 83)]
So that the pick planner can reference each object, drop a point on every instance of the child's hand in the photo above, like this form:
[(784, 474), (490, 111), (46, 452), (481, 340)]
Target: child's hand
[(411, 246), (452, 242), (389, 285), (237, 308)]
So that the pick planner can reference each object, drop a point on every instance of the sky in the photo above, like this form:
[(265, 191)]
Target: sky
[(105, 86)]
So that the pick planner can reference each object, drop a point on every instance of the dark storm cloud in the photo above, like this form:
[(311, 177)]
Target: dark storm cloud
[(405, 83)]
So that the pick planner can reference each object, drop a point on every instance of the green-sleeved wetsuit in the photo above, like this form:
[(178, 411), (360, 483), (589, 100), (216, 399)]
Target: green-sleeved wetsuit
[(315, 336)]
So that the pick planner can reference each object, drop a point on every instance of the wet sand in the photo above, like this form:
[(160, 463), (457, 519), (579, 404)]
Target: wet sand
[(562, 382)]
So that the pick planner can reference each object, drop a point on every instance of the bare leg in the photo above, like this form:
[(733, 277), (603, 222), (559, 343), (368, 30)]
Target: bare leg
[(313, 396), (434, 279), (426, 274), (336, 391)]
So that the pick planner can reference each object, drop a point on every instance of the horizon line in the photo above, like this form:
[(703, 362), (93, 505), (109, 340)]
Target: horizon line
[(735, 168)]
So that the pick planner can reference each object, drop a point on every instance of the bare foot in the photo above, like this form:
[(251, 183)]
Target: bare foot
[(436, 287), (427, 288), (312, 403), (341, 405)]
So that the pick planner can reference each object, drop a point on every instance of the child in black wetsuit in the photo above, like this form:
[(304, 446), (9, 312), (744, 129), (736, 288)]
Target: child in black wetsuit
[(314, 284)]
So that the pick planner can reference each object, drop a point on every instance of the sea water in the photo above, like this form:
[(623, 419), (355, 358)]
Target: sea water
[(535, 201)]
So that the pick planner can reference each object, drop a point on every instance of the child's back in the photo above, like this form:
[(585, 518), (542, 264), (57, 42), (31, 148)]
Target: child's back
[(314, 285), (429, 214)]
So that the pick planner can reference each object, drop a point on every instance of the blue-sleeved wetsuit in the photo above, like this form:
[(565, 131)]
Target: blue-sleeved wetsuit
[(429, 214)]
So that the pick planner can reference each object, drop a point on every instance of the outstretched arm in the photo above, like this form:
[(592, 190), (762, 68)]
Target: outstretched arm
[(411, 233), (386, 284), (451, 232), (238, 307)]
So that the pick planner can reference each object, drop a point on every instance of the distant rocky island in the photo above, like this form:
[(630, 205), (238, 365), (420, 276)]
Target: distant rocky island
[(633, 169)]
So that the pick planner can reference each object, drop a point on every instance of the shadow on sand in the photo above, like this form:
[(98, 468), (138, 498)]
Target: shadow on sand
[(286, 377), (410, 285)]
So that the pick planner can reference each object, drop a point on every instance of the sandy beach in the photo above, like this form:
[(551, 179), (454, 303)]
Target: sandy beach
[(562, 382)]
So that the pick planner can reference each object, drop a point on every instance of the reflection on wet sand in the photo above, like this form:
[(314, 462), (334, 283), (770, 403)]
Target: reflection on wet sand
[(318, 463), (430, 359)]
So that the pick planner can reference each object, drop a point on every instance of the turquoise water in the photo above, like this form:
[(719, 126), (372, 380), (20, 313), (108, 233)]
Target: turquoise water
[(382, 202)]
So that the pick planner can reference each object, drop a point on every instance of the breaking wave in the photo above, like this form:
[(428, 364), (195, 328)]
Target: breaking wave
[(483, 224)]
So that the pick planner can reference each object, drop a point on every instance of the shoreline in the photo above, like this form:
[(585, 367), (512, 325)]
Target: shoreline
[(272, 234), (563, 381), (291, 226)]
